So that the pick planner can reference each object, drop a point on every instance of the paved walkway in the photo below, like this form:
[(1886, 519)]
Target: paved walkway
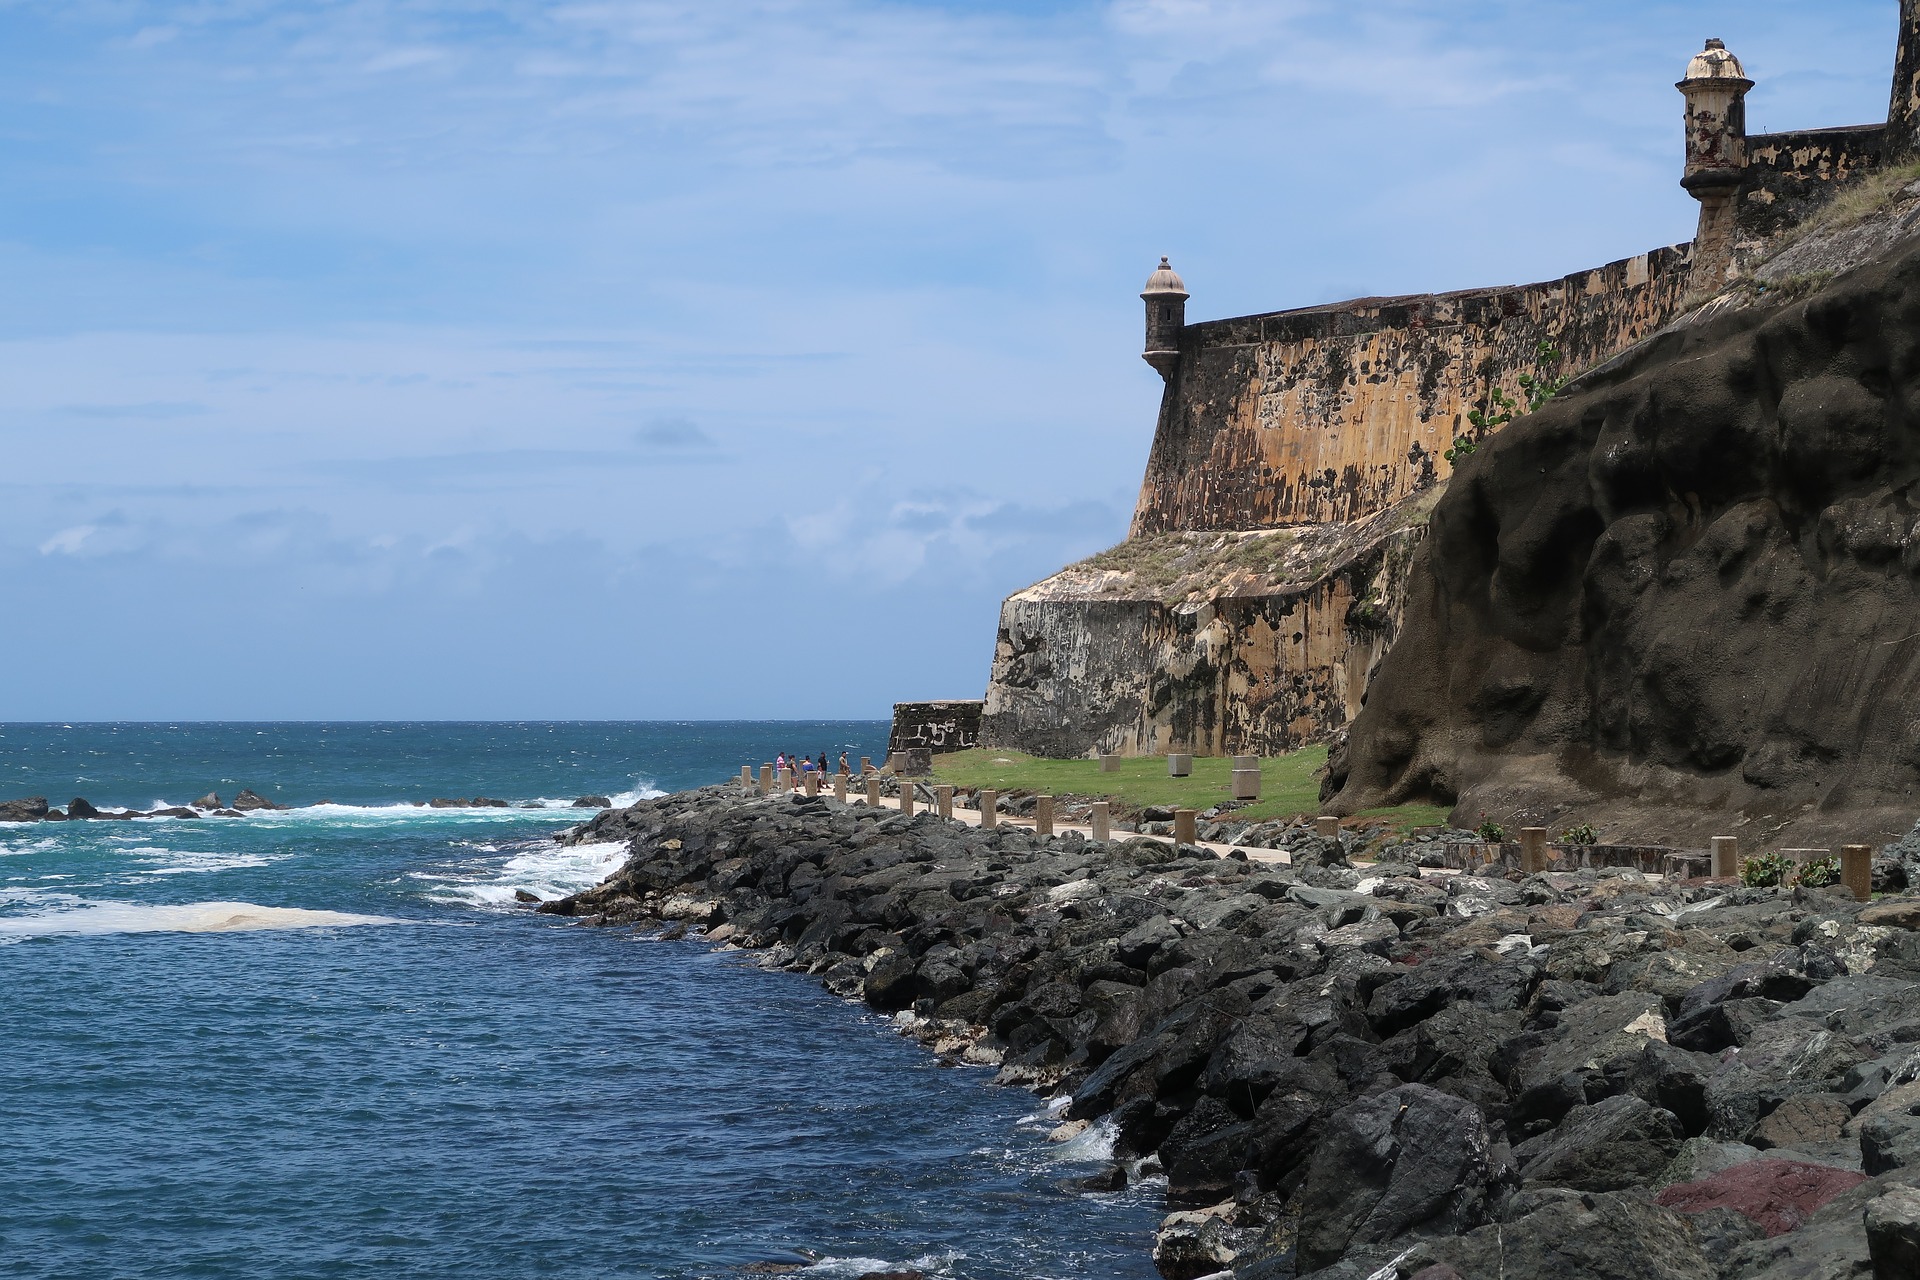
[(971, 818)]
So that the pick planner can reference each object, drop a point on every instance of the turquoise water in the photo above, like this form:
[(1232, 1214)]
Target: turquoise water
[(323, 1042)]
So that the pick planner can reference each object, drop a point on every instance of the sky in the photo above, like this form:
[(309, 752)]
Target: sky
[(640, 359)]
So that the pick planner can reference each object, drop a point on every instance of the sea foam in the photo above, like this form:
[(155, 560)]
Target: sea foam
[(543, 868), (79, 917)]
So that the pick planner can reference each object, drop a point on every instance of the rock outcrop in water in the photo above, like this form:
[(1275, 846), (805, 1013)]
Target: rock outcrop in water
[(1687, 594), (1365, 1074)]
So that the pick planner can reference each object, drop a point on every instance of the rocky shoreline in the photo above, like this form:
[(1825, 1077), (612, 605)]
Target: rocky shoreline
[(1371, 1072)]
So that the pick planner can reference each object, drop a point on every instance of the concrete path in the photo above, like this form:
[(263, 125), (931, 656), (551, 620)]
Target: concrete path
[(971, 818)]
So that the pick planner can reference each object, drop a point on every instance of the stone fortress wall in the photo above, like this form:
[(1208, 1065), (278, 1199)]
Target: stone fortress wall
[(1328, 426)]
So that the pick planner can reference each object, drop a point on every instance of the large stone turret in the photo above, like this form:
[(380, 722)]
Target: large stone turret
[(1716, 89), (1166, 299)]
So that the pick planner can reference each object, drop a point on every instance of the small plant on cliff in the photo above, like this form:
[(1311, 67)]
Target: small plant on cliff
[(1536, 389), (1582, 834), (1491, 831), (1820, 873), (1764, 870)]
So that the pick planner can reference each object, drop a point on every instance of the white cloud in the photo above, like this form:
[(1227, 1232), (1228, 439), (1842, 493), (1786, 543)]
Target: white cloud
[(69, 542)]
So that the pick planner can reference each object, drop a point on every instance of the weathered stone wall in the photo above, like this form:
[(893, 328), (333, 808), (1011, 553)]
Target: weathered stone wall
[(940, 727), (1333, 413), (1229, 643), (1790, 176)]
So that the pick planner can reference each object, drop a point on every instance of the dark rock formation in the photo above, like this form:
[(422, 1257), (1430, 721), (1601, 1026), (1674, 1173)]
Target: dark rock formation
[(1687, 591), (211, 800), (32, 809), (249, 801), (79, 808), (592, 802), (1419, 1077)]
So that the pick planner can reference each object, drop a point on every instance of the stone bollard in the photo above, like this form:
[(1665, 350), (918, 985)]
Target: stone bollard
[(1109, 764), (1184, 823), (1246, 777), (766, 779), (1856, 870), (1327, 828), (746, 776), (840, 787), (1533, 850), (1043, 815), (1101, 822), (1726, 857), (811, 781), (989, 809), (873, 790), (907, 797), (866, 765), (1180, 765), (943, 797)]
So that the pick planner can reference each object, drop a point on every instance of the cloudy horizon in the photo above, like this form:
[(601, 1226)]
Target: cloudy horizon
[(650, 359)]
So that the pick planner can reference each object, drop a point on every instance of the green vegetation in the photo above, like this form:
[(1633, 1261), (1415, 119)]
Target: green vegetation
[(1289, 784), (1820, 872), (1764, 870), (1582, 834), (1500, 409), (1492, 832)]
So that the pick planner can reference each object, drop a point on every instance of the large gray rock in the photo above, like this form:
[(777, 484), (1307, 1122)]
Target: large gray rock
[(1403, 1163), (1566, 1235), (1893, 1234), (1615, 1144)]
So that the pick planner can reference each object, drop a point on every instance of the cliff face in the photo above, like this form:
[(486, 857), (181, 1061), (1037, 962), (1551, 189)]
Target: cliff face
[(1334, 413), (1684, 597), (1238, 642)]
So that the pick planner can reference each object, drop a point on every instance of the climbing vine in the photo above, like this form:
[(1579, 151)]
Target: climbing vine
[(1536, 388)]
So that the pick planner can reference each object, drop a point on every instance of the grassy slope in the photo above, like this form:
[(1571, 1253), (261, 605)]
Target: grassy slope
[(1289, 784)]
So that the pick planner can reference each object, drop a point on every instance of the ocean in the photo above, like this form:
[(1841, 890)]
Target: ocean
[(325, 1041)]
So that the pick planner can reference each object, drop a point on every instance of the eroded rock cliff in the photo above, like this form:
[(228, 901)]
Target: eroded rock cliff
[(1685, 595)]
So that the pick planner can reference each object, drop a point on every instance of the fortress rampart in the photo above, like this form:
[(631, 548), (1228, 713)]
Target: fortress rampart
[(1331, 425), (1334, 413)]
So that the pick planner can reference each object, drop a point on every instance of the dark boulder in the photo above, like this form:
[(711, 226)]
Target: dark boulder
[(1404, 1163), (31, 809), (592, 802), (1567, 1235), (79, 808), (1612, 1145), (211, 800), (249, 801)]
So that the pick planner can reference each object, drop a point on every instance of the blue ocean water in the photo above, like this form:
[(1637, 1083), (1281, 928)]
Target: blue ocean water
[(323, 1042)]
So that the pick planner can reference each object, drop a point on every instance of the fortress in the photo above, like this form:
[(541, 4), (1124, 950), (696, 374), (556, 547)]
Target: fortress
[(1297, 455)]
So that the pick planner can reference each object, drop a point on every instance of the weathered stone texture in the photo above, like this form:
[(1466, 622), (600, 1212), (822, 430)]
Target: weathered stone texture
[(1250, 643), (939, 727), (1693, 584), (1333, 413), (1789, 176)]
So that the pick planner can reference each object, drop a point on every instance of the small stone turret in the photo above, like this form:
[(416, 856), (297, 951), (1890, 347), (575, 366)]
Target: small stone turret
[(1716, 90), (1166, 299)]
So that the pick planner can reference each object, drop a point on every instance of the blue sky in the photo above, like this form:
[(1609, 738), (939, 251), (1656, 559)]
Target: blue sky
[(470, 359)]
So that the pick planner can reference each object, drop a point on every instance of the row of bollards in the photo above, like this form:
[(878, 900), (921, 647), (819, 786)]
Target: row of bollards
[(1856, 860)]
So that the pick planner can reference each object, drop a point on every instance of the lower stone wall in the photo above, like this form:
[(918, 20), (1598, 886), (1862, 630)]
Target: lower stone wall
[(1117, 655), (936, 727)]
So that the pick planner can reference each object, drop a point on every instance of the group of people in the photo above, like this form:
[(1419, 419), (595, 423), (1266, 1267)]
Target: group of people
[(801, 765)]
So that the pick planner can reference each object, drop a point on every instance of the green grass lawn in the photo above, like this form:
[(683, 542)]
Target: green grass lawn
[(1289, 784)]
